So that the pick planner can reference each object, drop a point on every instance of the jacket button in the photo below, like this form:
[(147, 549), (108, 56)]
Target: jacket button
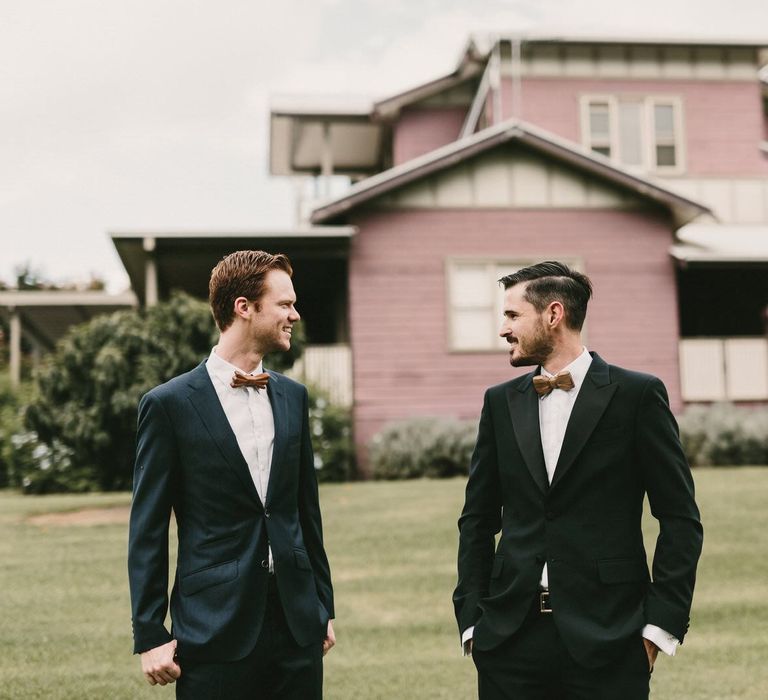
[(265, 563), (266, 513)]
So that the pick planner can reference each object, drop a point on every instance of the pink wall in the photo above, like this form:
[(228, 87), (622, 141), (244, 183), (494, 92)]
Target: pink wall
[(398, 318), (723, 121), (419, 131)]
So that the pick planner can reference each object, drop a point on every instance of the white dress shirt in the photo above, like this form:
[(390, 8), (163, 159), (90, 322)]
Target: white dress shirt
[(249, 413), (554, 413)]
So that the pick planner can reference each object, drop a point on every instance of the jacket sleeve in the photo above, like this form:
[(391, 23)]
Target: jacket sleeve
[(156, 460), (309, 514), (479, 522), (670, 490)]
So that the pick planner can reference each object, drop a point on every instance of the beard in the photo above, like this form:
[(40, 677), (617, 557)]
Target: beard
[(533, 350)]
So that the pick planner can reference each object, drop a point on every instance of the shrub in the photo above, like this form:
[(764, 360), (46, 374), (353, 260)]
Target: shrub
[(422, 447), (331, 429), (88, 390), (724, 435)]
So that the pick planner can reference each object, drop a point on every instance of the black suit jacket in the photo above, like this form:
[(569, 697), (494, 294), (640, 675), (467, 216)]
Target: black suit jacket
[(620, 444), (188, 461)]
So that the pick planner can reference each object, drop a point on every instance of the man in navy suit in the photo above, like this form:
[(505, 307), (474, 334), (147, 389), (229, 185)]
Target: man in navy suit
[(563, 607), (227, 448)]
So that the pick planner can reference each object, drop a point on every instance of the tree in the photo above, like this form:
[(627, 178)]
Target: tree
[(87, 391)]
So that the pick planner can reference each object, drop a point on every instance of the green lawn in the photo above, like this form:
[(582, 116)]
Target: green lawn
[(65, 620)]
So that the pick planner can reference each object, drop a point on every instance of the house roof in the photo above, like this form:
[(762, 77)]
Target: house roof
[(512, 130), (701, 244)]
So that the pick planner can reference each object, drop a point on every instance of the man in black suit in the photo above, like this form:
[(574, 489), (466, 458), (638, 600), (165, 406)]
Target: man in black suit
[(227, 448), (563, 607)]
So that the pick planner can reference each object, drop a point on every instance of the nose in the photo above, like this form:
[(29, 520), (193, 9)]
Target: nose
[(294, 315)]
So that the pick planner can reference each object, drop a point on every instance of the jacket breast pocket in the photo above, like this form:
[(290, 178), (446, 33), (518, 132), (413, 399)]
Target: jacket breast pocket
[(624, 570), (610, 433), (209, 576)]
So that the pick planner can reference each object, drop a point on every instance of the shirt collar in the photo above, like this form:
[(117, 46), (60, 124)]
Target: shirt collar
[(578, 368), (223, 370)]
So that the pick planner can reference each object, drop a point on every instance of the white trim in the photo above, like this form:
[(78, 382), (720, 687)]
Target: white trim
[(23, 298), (306, 232)]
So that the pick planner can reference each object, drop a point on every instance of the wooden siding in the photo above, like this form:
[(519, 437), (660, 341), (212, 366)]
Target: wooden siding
[(723, 120), (421, 130), (509, 176), (398, 319)]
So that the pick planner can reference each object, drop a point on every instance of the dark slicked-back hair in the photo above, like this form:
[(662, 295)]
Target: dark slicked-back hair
[(241, 274), (553, 281)]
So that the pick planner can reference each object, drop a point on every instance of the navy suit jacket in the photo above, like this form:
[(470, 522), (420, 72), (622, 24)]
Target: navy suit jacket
[(621, 444), (188, 461)]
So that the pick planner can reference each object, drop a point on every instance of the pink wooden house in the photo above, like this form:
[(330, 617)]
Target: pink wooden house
[(642, 162)]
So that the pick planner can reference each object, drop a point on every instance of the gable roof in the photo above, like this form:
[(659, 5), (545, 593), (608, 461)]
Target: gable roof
[(509, 131)]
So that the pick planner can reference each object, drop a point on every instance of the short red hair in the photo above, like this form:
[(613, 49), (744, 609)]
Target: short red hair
[(241, 274)]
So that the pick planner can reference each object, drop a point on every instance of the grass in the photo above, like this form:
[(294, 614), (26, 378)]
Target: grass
[(65, 620)]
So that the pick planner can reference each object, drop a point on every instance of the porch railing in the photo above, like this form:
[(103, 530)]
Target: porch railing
[(328, 367), (724, 369)]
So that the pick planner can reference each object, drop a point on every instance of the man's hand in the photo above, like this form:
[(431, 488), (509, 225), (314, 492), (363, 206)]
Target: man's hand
[(652, 651), (330, 638), (158, 664)]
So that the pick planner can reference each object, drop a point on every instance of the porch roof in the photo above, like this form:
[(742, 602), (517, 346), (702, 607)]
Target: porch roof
[(184, 259), (47, 315), (512, 130), (702, 244)]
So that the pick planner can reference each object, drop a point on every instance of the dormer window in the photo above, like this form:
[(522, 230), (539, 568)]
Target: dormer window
[(641, 133)]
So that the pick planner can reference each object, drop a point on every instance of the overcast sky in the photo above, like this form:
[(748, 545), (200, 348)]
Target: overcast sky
[(149, 115)]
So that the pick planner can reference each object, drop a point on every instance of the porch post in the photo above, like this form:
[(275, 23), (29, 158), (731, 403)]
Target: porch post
[(15, 359), (150, 272)]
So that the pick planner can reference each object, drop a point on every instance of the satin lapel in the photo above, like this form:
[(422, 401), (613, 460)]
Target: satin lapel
[(594, 397), (206, 402), (524, 410), (277, 398)]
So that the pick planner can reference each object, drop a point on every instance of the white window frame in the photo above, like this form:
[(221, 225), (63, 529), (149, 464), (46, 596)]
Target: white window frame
[(496, 267), (648, 129)]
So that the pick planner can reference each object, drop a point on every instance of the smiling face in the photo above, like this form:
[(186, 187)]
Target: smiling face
[(273, 315), (524, 329)]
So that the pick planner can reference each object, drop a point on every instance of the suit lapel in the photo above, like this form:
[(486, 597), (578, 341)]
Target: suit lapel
[(524, 410), (594, 396), (206, 402), (277, 398)]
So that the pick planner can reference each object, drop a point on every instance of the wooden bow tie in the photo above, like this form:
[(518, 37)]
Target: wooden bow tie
[(255, 381), (544, 385)]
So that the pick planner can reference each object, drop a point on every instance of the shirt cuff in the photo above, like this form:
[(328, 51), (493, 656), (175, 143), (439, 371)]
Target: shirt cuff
[(664, 640), (465, 637)]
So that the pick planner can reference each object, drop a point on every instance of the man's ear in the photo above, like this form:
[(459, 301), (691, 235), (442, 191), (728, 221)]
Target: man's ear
[(555, 314), (241, 308)]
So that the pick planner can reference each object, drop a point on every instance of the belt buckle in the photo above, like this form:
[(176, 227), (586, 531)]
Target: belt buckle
[(544, 606)]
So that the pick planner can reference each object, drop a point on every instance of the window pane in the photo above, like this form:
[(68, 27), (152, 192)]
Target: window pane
[(630, 133), (605, 150), (473, 330), (471, 286), (665, 156), (664, 121), (599, 122)]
